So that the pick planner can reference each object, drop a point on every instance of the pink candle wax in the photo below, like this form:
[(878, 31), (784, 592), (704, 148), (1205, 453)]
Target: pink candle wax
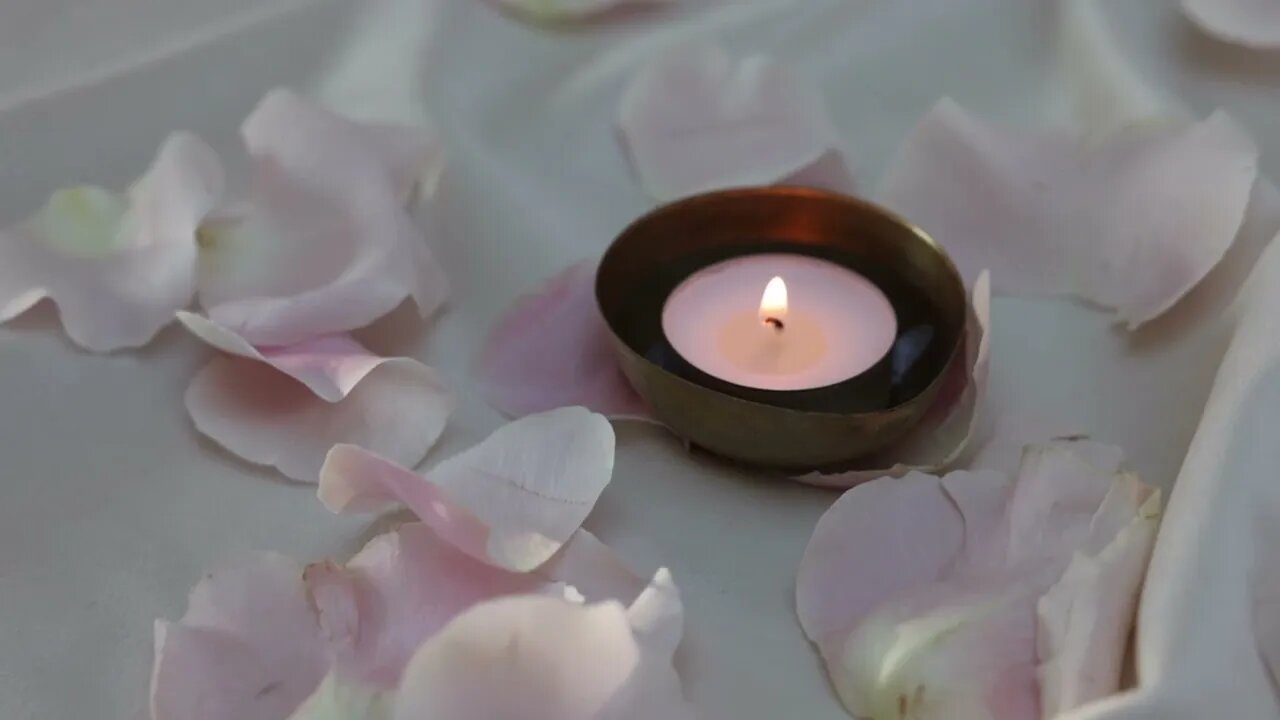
[(830, 323)]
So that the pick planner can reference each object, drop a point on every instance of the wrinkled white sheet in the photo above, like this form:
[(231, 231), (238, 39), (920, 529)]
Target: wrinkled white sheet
[(111, 506)]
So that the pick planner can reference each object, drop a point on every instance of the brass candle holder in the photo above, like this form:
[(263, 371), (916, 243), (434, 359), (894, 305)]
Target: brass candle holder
[(799, 430)]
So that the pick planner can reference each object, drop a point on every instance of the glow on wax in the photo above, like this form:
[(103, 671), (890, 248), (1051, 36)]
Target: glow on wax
[(780, 321)]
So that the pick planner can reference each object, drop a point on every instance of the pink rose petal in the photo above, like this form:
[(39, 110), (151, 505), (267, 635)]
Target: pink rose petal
[(696, 119), (1085, 617), (117, 266), (595, 572), (325, 245), (330, 366), (532, 482), (982, 497), (950, 424), (247, 649), (1131, 225), (402, 588), (512, 501), (553, 349), (1252, 23), (540, 658), (259, 638), (1057, 494), (286, 407), (957, 650), (963, 566), (864, 531)]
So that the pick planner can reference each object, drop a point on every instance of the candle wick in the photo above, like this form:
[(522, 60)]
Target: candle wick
[(775, 323)]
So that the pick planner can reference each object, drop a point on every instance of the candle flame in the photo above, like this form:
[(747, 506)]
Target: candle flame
[(773, 305)]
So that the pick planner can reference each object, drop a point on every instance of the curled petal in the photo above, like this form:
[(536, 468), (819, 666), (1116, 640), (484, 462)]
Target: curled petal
[(259, 638), (247, 649), (657, 616), (982, 497), (553, 349), (513, 500), (540, 658), (286, 407), (402, 588), (697, 120), (406, 585), (1252, 23), (117, 266), (596, 573), (1057, 495), (1086, 616), (950, 424), (1132, 224), (964, 567), (325, 245), (413, 157), (330, 366)]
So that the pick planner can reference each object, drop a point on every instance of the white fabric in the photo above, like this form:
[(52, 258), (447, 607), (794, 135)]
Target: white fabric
[(111, 506)]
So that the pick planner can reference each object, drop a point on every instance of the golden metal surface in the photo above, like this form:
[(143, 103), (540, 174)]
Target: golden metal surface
[(801, 430)]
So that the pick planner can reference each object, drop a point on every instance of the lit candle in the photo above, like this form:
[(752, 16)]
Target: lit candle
[(816, 324)]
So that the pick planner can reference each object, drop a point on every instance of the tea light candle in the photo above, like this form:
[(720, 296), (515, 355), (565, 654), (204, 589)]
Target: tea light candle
[(780, 321)]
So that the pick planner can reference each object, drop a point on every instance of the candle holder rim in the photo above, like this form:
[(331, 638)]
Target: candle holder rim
[(797, 191), (779, 428)]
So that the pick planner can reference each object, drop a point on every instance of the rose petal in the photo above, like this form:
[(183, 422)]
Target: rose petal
[(1057, 494), (696, 119), (402, 588), (258, 639), (540, 658), (553, 10), (340, 699), (408, 584), (1131, 225), (597, 573), (959, 651), (247, 649), (512, 501), (863, 535), (396, 407), (950, 424), (326, 245), (982, 497), (553, 349), (117, 266), (948, 630), (330, 366), (1085, 618), (1252, 23), (657, 616), (414, 158)]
